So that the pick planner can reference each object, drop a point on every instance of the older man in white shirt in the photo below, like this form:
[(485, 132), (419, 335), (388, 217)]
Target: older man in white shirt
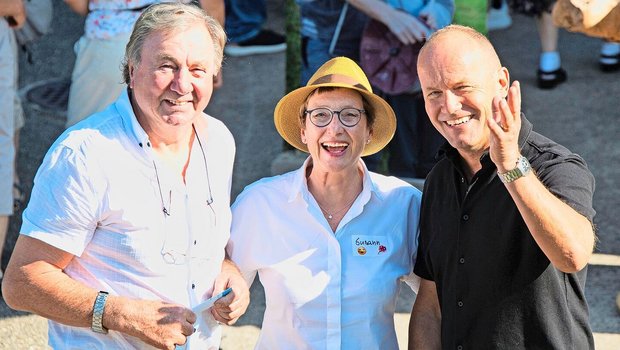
[(129, 215)]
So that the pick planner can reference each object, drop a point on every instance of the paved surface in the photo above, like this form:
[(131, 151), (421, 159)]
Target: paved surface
[(582, 114)]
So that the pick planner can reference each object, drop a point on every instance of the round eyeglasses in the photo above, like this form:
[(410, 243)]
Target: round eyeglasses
[(323, 116)]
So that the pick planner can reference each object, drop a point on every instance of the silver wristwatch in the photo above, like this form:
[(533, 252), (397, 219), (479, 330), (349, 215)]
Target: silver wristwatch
[(523, 168), (97, 323)]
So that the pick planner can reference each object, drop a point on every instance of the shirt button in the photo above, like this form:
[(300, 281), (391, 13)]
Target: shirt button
[(193, 286), (459, 347), (465, 217), (462, 260), (194, 242), (460, 303)]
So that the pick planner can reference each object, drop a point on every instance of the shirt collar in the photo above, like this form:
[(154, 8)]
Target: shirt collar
[(130, 121), (300, 183)]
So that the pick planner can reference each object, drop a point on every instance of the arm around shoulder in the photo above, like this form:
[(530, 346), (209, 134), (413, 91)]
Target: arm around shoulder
[(425, 323)]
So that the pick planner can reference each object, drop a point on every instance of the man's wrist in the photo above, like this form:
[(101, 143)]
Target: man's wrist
[(522, 168), (98, 308)]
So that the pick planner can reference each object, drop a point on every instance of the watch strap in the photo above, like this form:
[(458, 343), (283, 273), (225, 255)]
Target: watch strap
[(98, 307), (521, 169)]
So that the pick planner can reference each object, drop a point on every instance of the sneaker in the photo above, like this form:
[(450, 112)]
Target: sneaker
[(609, 59), (609, 63), (265, 42), (549, 80), (498, 18)]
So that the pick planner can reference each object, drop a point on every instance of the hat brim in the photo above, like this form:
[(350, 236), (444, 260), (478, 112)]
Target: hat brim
[(286, 117)]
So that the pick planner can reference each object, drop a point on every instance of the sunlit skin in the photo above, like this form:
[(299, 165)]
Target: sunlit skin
[(173, 83), (335, 148), (459, 92)]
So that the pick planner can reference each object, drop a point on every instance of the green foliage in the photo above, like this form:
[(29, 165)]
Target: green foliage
[(293, 44), (293, 51), (471, 13)]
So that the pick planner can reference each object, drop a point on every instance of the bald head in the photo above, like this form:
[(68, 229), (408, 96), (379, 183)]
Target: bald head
[(461, 75), (462, 41)]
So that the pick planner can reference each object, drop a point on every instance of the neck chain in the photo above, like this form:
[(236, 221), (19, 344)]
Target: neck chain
[(331, 216), (166, 210)]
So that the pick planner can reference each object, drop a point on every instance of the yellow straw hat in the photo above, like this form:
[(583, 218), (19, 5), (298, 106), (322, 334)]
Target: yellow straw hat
[(337, 72)]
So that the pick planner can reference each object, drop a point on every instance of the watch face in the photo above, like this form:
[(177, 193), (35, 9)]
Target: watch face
[(524, 166)]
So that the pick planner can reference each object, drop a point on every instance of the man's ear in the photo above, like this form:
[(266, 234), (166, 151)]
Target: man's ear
[(503, 80), (131, 67)]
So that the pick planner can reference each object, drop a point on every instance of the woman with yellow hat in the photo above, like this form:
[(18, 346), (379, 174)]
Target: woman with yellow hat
[(330, 241)]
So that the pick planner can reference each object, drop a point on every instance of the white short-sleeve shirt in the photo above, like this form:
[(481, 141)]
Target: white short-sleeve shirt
[(327, 290), (97, 196)]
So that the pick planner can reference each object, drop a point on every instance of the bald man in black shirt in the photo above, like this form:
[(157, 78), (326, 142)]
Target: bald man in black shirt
[(506, 224)]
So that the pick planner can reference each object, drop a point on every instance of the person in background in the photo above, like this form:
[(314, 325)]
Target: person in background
[(550, 72), (129, 216), (99, 52), (506, 228), (12, 16), (332, 28), (498, 15), (244, 26), (330, 241)]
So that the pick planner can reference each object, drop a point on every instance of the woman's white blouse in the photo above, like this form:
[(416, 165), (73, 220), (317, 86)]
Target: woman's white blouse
[(327, 290)]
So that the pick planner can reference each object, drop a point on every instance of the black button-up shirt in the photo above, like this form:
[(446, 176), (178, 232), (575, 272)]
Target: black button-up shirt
[(496, 288)]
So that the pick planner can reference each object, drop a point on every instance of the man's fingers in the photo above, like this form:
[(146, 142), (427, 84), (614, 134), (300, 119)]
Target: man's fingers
[(507, 120), (496, 110), (514, 98), (236, 313), (191, 317), (216, 315), (188, 329)]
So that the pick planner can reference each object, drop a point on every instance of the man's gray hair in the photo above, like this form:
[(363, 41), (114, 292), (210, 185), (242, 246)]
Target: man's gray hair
[(167, 18)]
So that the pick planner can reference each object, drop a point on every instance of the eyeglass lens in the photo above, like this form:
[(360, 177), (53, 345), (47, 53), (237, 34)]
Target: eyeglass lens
[(323, 116)]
